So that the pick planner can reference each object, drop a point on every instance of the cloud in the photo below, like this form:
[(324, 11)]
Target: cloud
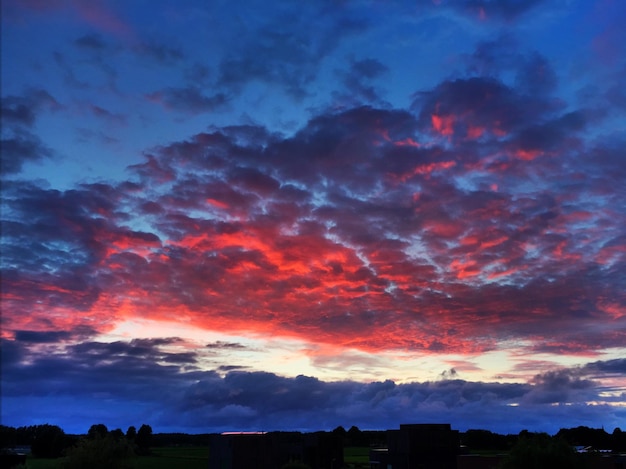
[(188, 99), (165, 385), (19, 143), (162, 53), (23, 147), (359, 83), (108, 116), (91, 42), (500, 10), (371, 228), (54, 337), (285, 50), (226, 345), (22, 110)]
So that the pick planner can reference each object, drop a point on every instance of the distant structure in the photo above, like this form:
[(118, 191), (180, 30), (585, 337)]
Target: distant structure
[(260, 450), (423, 446)]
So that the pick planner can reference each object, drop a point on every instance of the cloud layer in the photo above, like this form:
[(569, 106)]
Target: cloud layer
[(369, 228), (174, 394)]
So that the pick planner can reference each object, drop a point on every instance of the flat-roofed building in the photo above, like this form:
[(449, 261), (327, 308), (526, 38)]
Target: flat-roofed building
[(418, 446), (259, 450)]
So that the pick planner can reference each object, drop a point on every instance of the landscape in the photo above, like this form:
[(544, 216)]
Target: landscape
[(47, 446), (252, 224)]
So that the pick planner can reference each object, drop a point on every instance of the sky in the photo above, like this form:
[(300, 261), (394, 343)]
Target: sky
[(253, 215)]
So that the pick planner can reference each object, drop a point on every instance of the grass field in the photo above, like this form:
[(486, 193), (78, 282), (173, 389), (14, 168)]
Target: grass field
[(182, 457), (356, 456), (37, 463), (190, 457)]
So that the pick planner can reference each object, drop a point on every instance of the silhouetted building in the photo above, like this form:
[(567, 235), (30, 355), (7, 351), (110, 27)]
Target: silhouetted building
[(418, 446), (273, 450), (240, 450)]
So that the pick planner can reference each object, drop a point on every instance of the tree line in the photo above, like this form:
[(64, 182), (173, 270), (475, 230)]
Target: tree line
[(597, 438), (106, 448)]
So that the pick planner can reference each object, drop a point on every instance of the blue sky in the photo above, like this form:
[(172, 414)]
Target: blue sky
[(299, 215)]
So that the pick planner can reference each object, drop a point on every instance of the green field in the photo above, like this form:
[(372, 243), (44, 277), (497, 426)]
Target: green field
[(356, 456), (39, 463), (190, 457), (182, 457)]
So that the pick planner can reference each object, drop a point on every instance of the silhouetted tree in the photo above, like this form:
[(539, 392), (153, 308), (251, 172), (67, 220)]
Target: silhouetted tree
[(540, 451), (117, 434), (131, 433), (100, 452), (484, 439), (618, 440), (355, 437), (48, 441), (8, 436), (144, 439), (98, 430), (585, 436)]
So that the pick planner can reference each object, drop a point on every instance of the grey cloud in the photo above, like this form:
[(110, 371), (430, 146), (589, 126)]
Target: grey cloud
[(91, 41), (288, 53), (182, 396), (22, 110), (20, 144), (161, 52), (507, 10), (188, 99), (359, 82), (615, 366), (23, 147), (42, 337), (226, 345)]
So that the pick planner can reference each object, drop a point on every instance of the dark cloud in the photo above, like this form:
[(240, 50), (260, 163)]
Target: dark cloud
[(493, 56), (286, 50), (366, 227), (107, 115), (188, 99), (457, 107), (226, 345), (180, 397), (91, 42), (54, 245), (198, 74), (41, 337), (70, 72), (22, 148), (162, 53), (507, 10), (118, 369), (140, 349), (536, 76), (20, 144), (616, 366), (228, 368), (359, 83)]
